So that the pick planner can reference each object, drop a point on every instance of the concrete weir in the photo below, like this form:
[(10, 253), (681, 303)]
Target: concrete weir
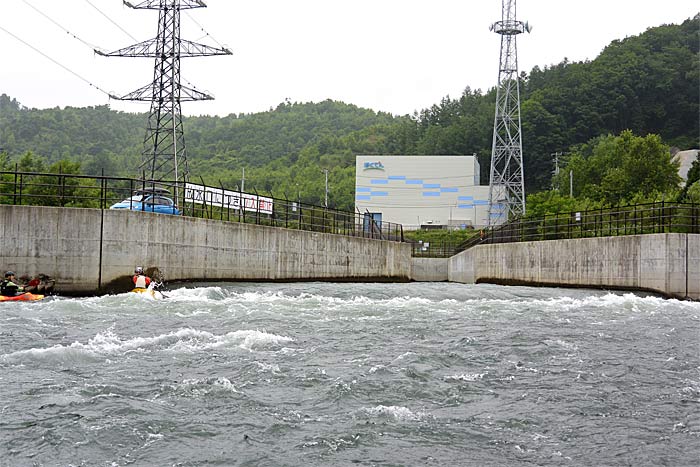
[(93, 251), (668, 264)]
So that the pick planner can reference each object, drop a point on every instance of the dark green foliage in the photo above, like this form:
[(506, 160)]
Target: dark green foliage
[(613, 169), (441, 236)]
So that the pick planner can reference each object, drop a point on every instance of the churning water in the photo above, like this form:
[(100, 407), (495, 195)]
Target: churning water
[(316, 374)]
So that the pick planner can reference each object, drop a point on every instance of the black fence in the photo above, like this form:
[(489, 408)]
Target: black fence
[(434, 249), (200, 200), (622, 220)]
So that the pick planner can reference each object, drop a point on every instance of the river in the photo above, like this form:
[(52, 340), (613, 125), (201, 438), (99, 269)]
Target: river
[(373, 374)]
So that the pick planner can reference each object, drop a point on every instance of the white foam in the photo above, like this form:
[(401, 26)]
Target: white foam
[(396, 412), (183, 340), (268, 367), (208, 386), (466, 377)]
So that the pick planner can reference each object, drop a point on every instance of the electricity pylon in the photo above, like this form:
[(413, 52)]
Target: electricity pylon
[(507, 182), (164, 156)]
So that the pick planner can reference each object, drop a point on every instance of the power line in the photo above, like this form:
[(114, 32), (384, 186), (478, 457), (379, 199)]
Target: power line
[(56, 23), (57, 63), (206, 34), (111, 21), (91, 46)]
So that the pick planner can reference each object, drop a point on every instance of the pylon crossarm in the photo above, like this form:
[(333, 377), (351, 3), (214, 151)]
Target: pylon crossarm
[(149, 49), (158, 4), (146, 94), (142, 49), (194, 49)]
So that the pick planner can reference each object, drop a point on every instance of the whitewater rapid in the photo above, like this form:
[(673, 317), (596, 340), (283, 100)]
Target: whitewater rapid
[(345, 374)]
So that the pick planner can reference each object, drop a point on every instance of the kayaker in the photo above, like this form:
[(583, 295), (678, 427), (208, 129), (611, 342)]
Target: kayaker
[(141, 280), (8, 288)]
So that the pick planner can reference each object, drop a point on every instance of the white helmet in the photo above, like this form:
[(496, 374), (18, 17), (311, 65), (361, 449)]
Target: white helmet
[(138, 270)]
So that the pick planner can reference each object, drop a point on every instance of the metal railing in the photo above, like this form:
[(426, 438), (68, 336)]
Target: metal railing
[(662, 217), (101, 192), (433, 249)]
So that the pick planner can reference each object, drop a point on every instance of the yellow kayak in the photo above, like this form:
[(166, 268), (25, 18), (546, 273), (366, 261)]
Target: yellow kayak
[(25, 297), (148, 292)]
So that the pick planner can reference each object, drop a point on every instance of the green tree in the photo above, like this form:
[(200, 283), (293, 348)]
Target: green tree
[(615, 169), (694, 193), (549, 202)]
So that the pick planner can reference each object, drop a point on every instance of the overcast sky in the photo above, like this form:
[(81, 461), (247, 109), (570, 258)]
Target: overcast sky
[(395, 56)]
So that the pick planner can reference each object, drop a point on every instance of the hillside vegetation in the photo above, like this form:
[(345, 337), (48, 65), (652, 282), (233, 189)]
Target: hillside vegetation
[(648, 84)]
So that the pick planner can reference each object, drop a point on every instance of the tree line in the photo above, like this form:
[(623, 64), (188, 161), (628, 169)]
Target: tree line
[(612, 119)]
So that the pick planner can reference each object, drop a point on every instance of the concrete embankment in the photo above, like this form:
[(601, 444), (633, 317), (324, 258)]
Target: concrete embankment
[(668, 264), (91, 251)]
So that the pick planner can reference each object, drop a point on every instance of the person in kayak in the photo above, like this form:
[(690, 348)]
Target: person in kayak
[(141, 280), (8, 288)]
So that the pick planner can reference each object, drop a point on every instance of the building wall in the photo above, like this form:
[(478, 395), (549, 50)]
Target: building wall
[(685, 160), (422, 190)]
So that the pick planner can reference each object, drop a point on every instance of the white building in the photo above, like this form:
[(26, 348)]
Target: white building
[(422, 190)]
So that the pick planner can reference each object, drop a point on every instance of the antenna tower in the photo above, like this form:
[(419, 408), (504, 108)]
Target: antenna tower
[(507, 183), (164, 156)]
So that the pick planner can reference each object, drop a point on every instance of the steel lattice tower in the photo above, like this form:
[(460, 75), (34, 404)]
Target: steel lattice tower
[(164, 156), (507, 182)]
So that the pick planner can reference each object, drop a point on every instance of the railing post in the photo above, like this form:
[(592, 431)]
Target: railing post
[(63, 189), (257, 207), (544, 227), (103, 190), (14, 193)]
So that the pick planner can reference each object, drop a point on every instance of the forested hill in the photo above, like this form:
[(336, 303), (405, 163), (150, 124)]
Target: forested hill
[(648, 83)]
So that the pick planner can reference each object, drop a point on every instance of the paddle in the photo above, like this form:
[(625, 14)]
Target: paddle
[(156, 285)]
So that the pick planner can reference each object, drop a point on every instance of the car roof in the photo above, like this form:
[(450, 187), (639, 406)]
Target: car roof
[(155, 190)]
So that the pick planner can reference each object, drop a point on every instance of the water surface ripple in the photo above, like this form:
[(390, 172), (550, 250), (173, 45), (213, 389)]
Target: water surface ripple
[(319, 374)]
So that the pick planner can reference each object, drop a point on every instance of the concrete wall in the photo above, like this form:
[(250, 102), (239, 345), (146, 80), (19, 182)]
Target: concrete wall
[(665, 263), (89, 250), (429, 269)]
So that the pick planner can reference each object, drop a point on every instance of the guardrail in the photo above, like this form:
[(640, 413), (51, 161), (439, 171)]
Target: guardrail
[(636, 219), (433, 249), (210, 202)]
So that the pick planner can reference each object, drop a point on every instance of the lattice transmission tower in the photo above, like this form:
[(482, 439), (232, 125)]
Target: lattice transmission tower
[(164, 155), (507, 182)]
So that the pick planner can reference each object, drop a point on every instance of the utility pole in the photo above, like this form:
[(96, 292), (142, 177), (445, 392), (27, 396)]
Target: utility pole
[(555, 172), (164, 157), (507, 181), (243, 180), (571, 183), (325, 204)]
